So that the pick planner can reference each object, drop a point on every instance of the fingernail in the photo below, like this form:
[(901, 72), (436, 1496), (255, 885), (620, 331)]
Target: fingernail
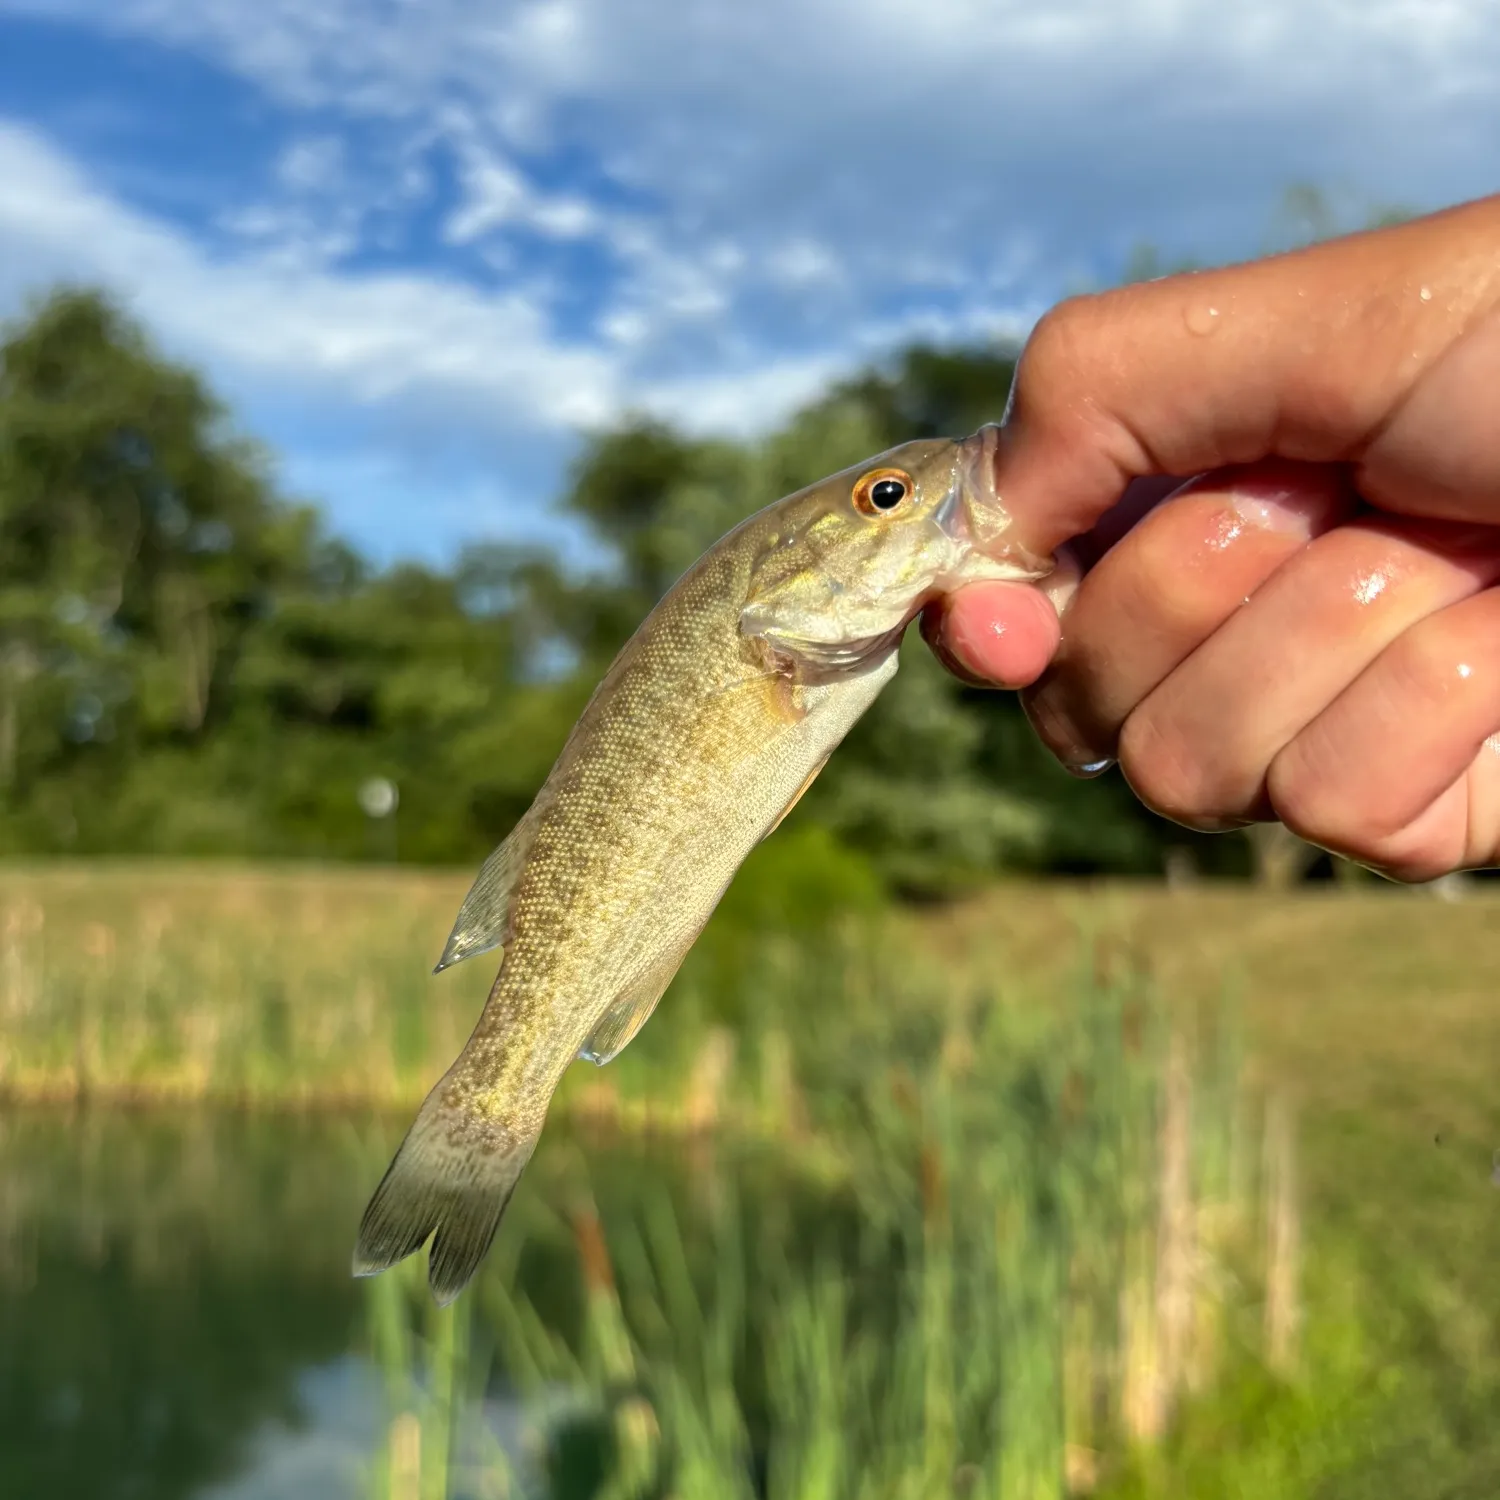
[(1210, 824), (1086, 770), (1060, 585), (1058, 733), (1290, 512), (1294, 502)]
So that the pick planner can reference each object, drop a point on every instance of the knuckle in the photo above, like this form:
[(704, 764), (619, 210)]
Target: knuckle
[(1194, 604), (1320, 809), (1316, 809), (1329, 403), (1342, 396), (1058, 349), (1415, 869), (1163, 771), (1419, 660), (1411, 857)]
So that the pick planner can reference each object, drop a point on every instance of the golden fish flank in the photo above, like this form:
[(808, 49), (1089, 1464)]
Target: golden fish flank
[(712, 721)]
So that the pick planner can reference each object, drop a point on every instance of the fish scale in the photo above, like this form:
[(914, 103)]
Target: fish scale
[(708, 726)]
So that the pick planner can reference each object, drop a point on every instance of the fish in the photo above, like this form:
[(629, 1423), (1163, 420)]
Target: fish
[(704, 733)]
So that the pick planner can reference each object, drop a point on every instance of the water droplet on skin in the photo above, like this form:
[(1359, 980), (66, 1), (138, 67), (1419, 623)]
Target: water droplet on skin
[(1229, 526), (1091, 767), (1202, 318), (1425, 294)]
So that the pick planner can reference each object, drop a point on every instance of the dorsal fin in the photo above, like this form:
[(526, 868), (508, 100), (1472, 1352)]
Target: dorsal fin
[(485, 915)]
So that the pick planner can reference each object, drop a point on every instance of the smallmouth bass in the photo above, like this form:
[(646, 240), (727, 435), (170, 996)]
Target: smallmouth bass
[(713, 720)]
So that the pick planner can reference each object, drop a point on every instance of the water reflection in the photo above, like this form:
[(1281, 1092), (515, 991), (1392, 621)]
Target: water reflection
[(166, 1286), (176, 1314), (326, 1453)]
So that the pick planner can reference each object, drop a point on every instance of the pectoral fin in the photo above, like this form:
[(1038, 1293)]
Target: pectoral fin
[(778, 689)]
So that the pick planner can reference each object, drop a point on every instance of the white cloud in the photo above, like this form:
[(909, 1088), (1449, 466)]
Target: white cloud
[(377, 336), (901, 137), (761, 193), (386, 56), (312, 164), (494, 193), (804, 262), (442, 345), (497, 195)]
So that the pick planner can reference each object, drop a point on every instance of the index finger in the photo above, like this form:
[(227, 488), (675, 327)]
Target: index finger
[(1304, 356)]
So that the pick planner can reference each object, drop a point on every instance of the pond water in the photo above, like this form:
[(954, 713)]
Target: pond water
[(177, 1318)]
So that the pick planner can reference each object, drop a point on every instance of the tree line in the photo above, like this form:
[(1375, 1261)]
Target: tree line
[(191, 663)]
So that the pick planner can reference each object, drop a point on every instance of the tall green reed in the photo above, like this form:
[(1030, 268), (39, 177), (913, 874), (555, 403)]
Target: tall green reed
[(1035, 1220)]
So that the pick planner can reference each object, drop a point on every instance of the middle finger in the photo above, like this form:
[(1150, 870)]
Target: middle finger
[(1169, 583)]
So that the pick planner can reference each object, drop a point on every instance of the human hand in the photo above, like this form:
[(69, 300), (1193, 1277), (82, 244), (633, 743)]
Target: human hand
[(1308, 631)]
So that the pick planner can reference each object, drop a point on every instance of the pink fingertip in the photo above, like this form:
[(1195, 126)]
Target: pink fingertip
[(1005, 633)]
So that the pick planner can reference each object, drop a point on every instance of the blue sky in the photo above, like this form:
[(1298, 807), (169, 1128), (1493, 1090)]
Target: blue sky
[(422, 245)]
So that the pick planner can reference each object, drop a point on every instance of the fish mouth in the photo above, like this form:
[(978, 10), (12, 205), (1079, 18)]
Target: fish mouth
[(973, 516)]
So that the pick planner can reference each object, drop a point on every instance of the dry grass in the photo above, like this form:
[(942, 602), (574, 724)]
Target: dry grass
[(1349, 991), (179, 982), (1363, 999)]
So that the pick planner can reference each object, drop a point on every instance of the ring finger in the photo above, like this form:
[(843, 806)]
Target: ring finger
[(1198, 747)]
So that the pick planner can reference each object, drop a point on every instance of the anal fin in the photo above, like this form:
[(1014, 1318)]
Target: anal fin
[(631, 1010)]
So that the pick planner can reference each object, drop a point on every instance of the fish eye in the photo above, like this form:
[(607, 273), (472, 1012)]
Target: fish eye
[(881, 490)]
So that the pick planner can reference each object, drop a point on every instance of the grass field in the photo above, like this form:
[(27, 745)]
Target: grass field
[(1370, 1009), (1378, 1010)]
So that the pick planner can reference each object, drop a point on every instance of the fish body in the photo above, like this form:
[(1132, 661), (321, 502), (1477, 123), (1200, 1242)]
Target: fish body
[(711, 722)]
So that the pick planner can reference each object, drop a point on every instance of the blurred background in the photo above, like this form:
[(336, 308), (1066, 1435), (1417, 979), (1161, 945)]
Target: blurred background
[(367, 372)]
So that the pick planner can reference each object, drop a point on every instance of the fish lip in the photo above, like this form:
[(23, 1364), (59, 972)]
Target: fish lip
[(972, 517), (973, 485), (980, 449)]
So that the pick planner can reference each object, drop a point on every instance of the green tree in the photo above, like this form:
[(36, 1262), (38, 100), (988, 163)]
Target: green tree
[(139, 543), (190, 664)]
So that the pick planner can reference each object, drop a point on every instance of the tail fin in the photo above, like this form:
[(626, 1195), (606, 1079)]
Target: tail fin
[(451, 1179)]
